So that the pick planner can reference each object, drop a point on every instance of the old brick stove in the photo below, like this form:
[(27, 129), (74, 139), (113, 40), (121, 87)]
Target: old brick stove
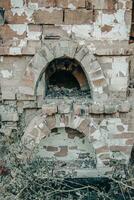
[(64, 77)]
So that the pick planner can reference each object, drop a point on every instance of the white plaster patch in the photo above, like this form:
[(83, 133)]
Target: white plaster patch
[(118, 75), (67, 28), (120, 65), (92, 47), (77, 121), (125, 127), (6, 73), (17, 3), (117, 142), (19, 28), (93, 124), (62, 125), (83, 31), (97, 135), (26, 90), (99, 144), (119, 28), (119, 83), (23, 11), (17, 11), (15, 51), (32, 35), (111, 125), (119, 156), (96, 31), (118, 32), (1, 58), (81, 42), (33, 5), (51, 9), (23, 43), (105, 59), (71, 6), (98, 89), (119, 16), (107, 19)]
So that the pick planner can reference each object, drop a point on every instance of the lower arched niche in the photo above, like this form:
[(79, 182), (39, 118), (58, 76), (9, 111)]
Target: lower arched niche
[(69, 151)]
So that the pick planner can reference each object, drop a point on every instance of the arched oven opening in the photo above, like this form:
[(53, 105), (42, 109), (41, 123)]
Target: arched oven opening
[(65, 77)]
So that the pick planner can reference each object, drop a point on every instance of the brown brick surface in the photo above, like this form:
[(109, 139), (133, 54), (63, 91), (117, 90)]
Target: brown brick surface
[(11, 18), (46, 17), (102, 149), (38, 17), (51, 121), (63, 152), (5, 4), (130, 141), (108, 4), (80, 16), (124, 149)]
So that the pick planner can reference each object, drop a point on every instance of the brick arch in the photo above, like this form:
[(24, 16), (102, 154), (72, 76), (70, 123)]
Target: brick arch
[(41, 126), (73, 50), (104, 142)]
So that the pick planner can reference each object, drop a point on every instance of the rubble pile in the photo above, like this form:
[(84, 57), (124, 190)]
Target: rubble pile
[(60, 92)]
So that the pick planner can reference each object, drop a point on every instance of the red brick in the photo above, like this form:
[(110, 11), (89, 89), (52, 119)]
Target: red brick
[(4, 50), (111, 4), (107, 4), (64, 119), (80, 76), (11, 18), (130, 141), (125, 149), (102, 149), (84, 127), (39, 17), (99, 82), (49, 109), (46, 17), (129, 4), (51, 122), (63, 152), (32, 47), (52, 149), (77, 109), (34, 28), (5, 4), (80, 16)]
